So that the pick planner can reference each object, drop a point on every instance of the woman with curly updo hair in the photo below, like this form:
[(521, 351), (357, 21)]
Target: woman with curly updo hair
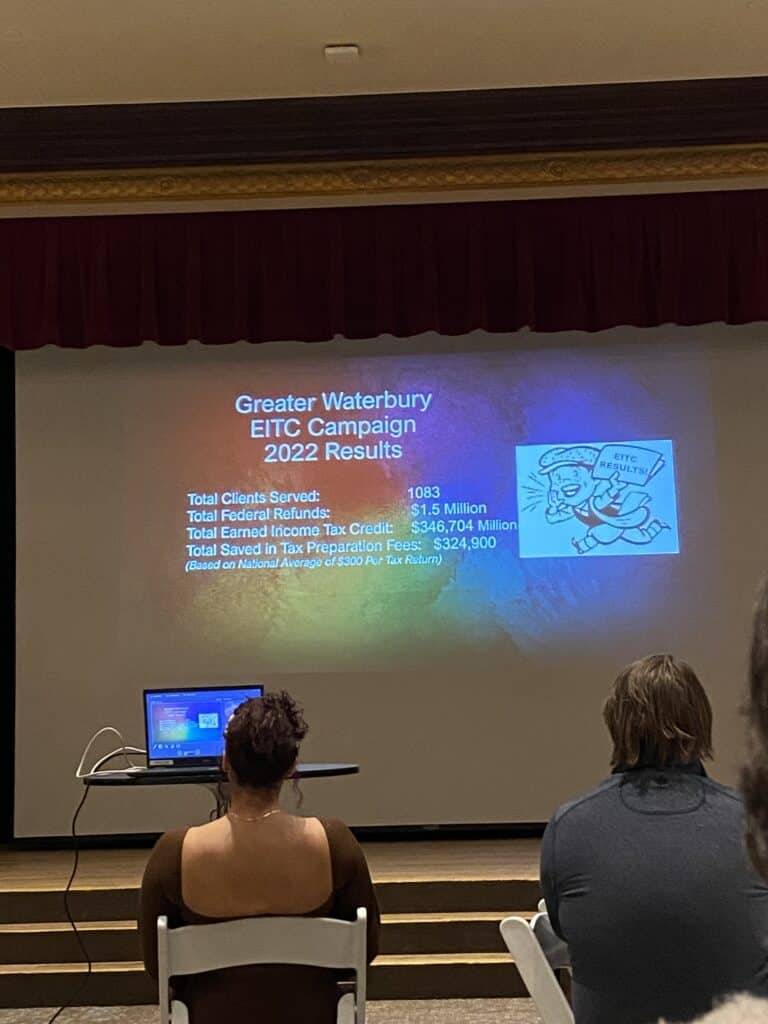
[(258, 860)]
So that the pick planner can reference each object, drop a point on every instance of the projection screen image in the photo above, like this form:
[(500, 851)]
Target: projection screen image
[(396, 502), (445, 554)]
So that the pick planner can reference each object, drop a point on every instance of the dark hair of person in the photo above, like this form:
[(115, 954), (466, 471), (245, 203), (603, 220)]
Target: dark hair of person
[(658, 715), (754, 776), (263, 738)]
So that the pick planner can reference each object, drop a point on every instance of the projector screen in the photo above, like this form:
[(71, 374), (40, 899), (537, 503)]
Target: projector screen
[(445, 549)]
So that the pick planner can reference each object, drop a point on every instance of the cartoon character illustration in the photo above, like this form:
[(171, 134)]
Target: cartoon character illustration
[(592, 486)]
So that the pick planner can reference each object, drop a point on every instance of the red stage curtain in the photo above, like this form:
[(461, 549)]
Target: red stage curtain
[(308, 275)]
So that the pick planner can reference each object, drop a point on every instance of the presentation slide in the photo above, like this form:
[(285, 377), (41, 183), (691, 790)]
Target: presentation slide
[(444, 548), (415, 505)]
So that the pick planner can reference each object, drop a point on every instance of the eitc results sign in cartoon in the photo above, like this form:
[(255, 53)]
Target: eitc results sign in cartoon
[(597, 498)]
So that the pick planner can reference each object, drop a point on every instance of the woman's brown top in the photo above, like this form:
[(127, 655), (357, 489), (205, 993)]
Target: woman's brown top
[(274, 994)]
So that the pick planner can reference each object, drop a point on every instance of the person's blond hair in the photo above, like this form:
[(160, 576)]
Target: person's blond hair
[(658, 714)]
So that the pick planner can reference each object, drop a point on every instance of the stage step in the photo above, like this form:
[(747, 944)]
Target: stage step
[(105, 941), (441, 906), (55, 984), (458, 933), (41, 905), (457, 895), (125, 983), (445, 976), (395, 897), (55, 942)]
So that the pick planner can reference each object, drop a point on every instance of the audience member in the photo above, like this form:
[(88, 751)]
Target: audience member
[(258, 860), (646, 877), (754, 783)]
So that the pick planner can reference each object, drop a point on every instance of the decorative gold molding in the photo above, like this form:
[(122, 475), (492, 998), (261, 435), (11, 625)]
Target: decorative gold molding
[(441, 174)]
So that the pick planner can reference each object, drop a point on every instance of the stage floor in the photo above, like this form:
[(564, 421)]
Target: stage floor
[(427, 1011), (414, 861)]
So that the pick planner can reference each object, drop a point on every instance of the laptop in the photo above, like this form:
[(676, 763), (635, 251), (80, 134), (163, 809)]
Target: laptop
[(184, 728)]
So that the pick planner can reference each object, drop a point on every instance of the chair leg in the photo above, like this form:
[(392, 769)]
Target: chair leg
[(179, 1012), (345, 1014)]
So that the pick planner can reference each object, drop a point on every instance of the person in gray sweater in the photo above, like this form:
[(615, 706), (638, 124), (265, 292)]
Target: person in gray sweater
[(646, 877)]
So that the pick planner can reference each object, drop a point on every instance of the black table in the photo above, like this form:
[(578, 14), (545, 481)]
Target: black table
[(212, 778), (207, 776)]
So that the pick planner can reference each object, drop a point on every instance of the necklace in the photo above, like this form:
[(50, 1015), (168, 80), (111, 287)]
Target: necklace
[(258, 817)]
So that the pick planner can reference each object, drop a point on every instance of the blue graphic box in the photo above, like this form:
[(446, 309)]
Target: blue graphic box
[(597, 498)]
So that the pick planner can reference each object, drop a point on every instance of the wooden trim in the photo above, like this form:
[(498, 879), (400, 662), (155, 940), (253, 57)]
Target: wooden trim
[(690, 164), (336, 129), (7, 592)]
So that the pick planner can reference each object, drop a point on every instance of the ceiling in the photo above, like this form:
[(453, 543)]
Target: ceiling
[(56, 52)]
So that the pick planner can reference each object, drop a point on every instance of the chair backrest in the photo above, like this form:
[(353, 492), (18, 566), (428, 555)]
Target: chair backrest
[(305, 941), (538, 977), (555, 950)]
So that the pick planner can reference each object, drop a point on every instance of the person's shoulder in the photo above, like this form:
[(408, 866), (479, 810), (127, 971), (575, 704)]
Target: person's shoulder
[(171, 840), (163, 867), (346, 852), (724, 807), (741, 1009), (726, 794), (167, 849), (587, 802), (339, 834)]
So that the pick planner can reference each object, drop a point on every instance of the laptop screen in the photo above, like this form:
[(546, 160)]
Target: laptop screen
[(187, 726)]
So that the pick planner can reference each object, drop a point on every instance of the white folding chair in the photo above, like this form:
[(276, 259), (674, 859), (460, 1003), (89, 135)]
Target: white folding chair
[(555, 950), (535, 970), (305, 941)]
